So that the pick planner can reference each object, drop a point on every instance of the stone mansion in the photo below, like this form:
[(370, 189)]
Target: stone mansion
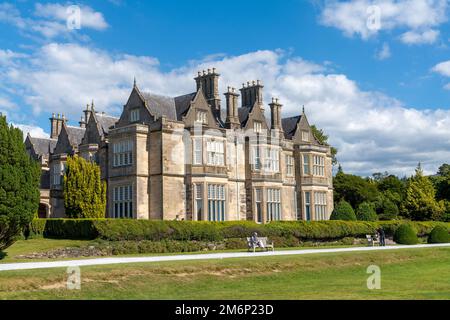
[(188, 158)]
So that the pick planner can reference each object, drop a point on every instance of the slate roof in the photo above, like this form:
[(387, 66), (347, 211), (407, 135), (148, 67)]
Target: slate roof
[(182, 104), (104, 122), (290, 125), (243, 113), (160, 105), (75, 134), (42, 146)]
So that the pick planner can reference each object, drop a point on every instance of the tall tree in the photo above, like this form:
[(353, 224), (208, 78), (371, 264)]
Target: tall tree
[(354, 189), (420, 202), (19, 184), (84, 192), (323, 139)]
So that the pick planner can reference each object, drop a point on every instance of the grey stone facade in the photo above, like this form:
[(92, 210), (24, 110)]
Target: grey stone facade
[(188, 158)]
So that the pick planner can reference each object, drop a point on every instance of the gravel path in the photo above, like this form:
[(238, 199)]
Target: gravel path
[(186, 257)]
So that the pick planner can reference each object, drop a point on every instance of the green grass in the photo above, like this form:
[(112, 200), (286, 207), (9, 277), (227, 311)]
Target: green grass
[(405, 274), (22, 247)]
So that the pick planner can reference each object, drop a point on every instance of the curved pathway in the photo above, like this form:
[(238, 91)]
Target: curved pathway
[(186, 257)]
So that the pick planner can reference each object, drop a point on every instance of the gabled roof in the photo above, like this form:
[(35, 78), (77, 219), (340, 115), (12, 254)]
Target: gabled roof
[(75, 135), (104, 122), (290, 126), (183, 103), (42, 146), (160, 105)]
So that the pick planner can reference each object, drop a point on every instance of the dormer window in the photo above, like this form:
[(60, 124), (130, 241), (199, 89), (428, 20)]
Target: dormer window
[(201, 117), (134, 115), (305, 136), (257, 127)]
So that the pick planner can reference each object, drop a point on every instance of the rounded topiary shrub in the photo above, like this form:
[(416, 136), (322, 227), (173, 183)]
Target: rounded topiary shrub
[(343, 211), (366, 212), (439, 235), (405, 234)]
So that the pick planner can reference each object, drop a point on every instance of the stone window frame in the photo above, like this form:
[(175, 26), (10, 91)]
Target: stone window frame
[(307, 204), (318, 165), (122, 153), (135, 115), (123, 202), (201, 116), (305, 136), (273, 204), (216, 202), (215, 152), (290, 168), (320, 205)]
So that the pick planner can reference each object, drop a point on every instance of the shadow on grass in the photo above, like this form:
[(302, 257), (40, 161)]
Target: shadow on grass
[(2, 255)]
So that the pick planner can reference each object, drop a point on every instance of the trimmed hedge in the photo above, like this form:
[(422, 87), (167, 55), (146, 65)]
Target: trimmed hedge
[(439, 235), (406, 234), (139, 230)]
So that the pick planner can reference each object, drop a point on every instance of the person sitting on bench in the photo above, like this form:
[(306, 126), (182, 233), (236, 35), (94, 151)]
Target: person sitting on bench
[(255, 241)]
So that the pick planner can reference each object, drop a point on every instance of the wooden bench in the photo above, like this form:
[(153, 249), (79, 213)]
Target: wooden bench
[(372, 240), (263, 243)]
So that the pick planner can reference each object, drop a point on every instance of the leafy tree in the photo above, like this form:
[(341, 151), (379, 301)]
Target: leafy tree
[(441, 182), (84, 192), (388, 210), (19, 184), (420, 203), (343, 211), (323, 139), (366, 212), (444, 170), (354, 189)]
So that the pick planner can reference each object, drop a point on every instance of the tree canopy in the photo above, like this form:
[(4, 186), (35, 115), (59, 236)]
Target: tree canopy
[(323, 139), (84, 192), (420, 202), (19, 184)]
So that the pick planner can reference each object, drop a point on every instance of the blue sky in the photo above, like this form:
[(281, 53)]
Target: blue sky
[(380, 93)]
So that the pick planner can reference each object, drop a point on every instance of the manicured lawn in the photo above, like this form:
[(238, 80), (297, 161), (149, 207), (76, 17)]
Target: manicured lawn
[(22, 247), (405, 274)]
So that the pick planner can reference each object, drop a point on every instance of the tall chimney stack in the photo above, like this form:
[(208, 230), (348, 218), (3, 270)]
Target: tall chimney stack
[(232, 120), (209, 82), (275, 115), (252, 93)]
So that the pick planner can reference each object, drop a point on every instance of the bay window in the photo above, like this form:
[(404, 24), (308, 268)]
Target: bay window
[(122, 153), (319, 166), (320, 205), (215, 153)]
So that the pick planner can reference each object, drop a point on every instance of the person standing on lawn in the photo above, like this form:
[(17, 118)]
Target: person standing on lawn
[(382, 237)]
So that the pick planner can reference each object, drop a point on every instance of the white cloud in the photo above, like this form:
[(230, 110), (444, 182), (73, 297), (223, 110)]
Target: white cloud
[(372, 131), (384, 53), (34, 131), (425, 37), (442, 68), (55, 11), (356, 17), (49, 21)]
